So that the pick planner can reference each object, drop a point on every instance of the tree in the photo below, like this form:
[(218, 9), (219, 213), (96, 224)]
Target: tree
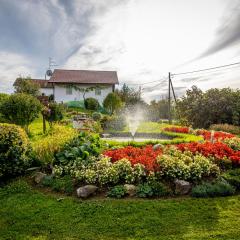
[(3, 97), (21, 109), (130, 96), (158, 110), (112, 102), (215, 106), (26, 85)]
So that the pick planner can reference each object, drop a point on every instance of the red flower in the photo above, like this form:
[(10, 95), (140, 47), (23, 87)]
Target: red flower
[(218, 150), (177, 129), (146, 155), (217, 135)]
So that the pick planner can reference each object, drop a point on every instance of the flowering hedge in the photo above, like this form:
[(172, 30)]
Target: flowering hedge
[(146, 155), (217, 150), (217, 135), (177, 129)]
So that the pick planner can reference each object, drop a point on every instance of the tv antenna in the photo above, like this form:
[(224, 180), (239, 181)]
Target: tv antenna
[(51, 63)]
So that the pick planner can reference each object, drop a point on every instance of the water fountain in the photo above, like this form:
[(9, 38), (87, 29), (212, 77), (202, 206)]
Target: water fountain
[(133, 122), (134, 117)]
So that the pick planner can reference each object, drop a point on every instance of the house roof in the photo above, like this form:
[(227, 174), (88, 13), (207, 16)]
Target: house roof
[(41, 82), (84, 76)]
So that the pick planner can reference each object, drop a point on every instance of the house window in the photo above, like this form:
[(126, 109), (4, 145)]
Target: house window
[(97, 91), (69, 90)]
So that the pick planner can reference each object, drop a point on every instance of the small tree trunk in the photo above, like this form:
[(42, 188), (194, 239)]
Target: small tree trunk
[(44, 124)]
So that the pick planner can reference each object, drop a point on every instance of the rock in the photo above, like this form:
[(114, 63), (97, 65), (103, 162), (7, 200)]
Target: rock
[(86, 191), (182, 187), (157, 146), (131, 189), (39, 176)]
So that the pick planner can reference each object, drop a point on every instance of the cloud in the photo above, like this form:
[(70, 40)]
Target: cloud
[(12, 66), (228, 33), (36, 30)]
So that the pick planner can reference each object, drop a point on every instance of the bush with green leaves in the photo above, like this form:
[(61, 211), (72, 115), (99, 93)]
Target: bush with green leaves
[(91, 104), (175, 164), (225, 128), (159, 189), (79, 148), (21, 109), (113, 123), (112, 103), (102, 171), (233, 177), (15, 151), (233, 143), (217, 189), (63, 184), (144, 190), (118, 191), (96, 116), (3, 97)]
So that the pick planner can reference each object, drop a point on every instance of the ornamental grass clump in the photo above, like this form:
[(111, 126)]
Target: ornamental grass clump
[(15, 151), (46, 148)]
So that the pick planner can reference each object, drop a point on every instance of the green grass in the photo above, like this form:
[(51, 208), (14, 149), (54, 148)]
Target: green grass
[(150, 127), (29, 214)]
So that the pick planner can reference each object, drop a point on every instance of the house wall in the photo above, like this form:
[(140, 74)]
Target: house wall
[(61, 96), (46, 91)]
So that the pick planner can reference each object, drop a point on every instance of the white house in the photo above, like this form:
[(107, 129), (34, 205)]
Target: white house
[(71, 85)]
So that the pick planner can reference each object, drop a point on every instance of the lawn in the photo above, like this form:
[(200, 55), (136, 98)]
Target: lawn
[(30, 214)]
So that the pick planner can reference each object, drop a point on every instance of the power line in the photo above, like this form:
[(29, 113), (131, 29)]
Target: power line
[(150, 88), (205, 69), (141, 84)]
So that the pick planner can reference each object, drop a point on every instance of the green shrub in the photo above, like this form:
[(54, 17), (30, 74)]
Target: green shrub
[(3, 97), (175, 164), (233, 177), (226, 128), (217, 189), (64, 184), (96, 116), (21, 109), (112, 102), (159, 189), (91, 104), (79, 149), (113, 123), (233, 143), (15, 150), (118, 191), (144, 190)]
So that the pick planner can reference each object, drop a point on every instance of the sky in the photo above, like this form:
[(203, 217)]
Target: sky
[(142, 40)]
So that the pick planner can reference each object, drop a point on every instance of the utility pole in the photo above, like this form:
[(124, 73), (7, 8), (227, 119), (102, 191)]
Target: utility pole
[(169, 98)]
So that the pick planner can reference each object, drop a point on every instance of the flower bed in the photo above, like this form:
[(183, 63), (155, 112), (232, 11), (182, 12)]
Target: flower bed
[(177, 129), (217, 135), (218, 150), (146, 155)]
